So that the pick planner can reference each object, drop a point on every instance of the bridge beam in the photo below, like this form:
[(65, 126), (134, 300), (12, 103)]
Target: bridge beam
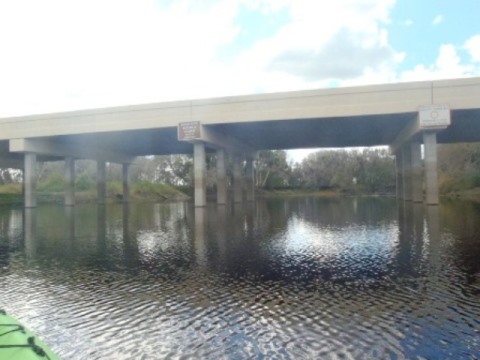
[(51, 148)]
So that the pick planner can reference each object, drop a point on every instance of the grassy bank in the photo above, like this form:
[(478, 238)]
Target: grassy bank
[(297, 192), (320, 193), (470, 194), (52, 192)]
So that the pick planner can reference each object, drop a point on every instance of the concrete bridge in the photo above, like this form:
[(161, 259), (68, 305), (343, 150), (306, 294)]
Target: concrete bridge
[(402, 116)]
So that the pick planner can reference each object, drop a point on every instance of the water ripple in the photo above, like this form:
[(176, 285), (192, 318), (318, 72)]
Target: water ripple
[(290, 279)]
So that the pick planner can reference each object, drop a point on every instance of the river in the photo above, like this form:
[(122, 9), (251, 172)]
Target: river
[(282, 278)]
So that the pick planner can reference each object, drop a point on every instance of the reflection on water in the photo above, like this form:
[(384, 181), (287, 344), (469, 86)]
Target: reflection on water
[(281, 278)]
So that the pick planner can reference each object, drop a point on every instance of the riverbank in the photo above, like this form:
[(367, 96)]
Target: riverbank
[(467, 195), (316, 193), (11, 194), (470, 195)]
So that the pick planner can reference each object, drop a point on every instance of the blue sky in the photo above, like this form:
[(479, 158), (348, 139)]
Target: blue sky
[(59, 55)]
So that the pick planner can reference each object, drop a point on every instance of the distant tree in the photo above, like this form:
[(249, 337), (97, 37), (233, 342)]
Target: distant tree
[(459, 166), (370, 170), (272, 169)]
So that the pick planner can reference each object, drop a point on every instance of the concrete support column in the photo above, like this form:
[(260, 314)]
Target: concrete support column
[(101, 182), (237, 179), (417, 175), (30, 180), (431, 176), (126, 182), (69, 181), (399, 171), (250, 179), (407, 172), (221, 177), (200, 174)]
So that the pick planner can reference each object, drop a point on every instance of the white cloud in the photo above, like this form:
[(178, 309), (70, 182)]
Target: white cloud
[(408, 22), (69, 54), (324, 43), (437, 20), (82, 54), (60, 55), (472, 45), (447, 65)]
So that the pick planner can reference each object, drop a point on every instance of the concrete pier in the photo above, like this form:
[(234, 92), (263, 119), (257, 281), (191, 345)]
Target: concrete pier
[(430, 160), (101, 182), (237, 179), (221, 178), (388, 114), (69, 181), (126, 182), (417, 174), (399, 173), (407, 172), (30, 180), (250, 179), (200, 174)]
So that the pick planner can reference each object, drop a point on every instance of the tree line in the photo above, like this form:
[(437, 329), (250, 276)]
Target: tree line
[(370, 170)]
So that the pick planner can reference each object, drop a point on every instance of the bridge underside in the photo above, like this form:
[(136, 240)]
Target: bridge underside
[(402, 116), (373, 130)]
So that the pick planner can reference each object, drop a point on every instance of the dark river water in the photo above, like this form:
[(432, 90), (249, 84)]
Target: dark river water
[(296, 278)]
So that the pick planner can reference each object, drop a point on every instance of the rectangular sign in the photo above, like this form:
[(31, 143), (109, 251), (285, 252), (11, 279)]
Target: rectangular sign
[(434, 116), (189, 131)]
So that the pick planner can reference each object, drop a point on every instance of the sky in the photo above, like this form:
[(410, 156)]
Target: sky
[(60, 55)]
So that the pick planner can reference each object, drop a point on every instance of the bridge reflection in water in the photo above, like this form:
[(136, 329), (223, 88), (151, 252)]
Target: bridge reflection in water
[(298, 277)]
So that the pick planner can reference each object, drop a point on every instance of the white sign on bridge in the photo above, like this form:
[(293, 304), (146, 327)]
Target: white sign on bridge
[(189, 131), (434, 116)]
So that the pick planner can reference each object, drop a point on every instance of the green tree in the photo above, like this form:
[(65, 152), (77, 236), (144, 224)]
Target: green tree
[(272, 169)]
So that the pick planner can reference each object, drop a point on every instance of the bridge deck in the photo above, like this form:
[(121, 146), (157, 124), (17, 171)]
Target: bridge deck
[(342, 117)]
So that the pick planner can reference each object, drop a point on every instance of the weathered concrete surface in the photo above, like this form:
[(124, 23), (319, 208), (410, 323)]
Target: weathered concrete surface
[(30, 180), (342, 117), (431, 176), (69, 181), (221, 177), (355, 116), (200, 174), (101, 182)]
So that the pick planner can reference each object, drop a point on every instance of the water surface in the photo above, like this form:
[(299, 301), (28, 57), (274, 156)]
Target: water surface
[(297, 278)]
